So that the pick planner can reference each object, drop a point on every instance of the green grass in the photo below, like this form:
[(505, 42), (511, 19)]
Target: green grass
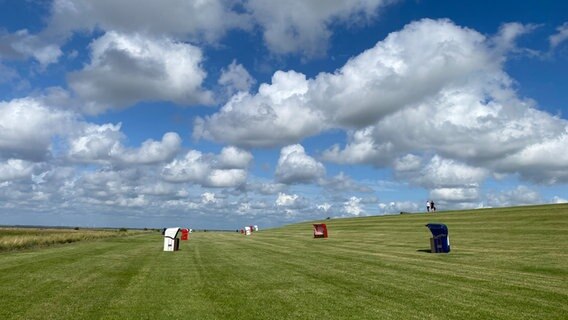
[(509, 263)]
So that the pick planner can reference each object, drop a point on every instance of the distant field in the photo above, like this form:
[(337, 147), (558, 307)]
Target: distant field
[(12, 239), (509, 263)]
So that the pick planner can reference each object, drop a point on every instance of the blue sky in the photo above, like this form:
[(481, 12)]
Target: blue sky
[(221, 113)]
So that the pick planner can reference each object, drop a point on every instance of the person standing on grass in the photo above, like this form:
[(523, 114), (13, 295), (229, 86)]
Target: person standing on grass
[(428, 206), (432, 206)]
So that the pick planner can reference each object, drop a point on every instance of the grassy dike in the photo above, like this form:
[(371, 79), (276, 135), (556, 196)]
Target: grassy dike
[(509, 263)]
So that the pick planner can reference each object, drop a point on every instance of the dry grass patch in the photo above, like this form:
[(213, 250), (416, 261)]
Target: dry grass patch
[(12, 239)]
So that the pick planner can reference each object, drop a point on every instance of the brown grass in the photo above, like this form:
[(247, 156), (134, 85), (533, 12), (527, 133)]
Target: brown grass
[(12, 239)]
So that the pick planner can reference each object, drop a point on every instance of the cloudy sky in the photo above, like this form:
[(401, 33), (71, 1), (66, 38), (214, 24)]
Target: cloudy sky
[(224, 113)]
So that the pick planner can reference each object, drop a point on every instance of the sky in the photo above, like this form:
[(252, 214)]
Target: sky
[(223, 113)]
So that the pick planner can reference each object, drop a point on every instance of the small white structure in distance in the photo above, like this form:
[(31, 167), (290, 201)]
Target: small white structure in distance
[(255, 227), (247, 231), (171, 242)]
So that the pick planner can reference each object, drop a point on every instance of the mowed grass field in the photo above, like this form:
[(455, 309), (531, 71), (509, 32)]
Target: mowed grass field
[(509, 263)]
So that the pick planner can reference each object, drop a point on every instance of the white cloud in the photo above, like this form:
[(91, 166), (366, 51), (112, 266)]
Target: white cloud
[(509, 32), (104, 187), (295, 166), (353, 206), (103, 144), (135, 202), (304, 26), (126, 69), (234, 158), (27, 128), (225, 178), (21, 45), (362, 148), (208, 197), (160, 188), (433, 89), (207, 20), (13, 169), (542, 162), (193, 167), (277, 115), (559, 37), (151, 151), (470, 194), (405, 68), (399, 206), (342, 182), (96, 143), (449, 173), (324, 206), (407, 163), (522, 195), (235, 78), (293, 26), (199, 169), (265, 188), (286, 200)]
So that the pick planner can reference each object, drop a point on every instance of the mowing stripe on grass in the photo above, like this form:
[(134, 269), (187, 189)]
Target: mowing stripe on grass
[(509, 263)]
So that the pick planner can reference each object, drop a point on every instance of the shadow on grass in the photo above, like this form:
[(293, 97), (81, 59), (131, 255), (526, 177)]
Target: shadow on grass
[(424, 250)]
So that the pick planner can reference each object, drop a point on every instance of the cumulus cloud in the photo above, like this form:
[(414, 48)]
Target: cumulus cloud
[(398, 206), (456, 194), (433, 90), (542, 162), (208, 197), (304, 26), (234, 158), (193, 167), (405, 68), (28, 127), (22, 45), (560, 36), (207, 20), (286, 200), (522, 195), (277, 115), (160, 188), (224, 178), (295, 166), (324, 206), (342, 182), (441, 172), (353, 206), (96, 143), (105, 187), (126, 69), (362, 148), (264, 188), (287, 27), (103, 144), (235, 78), (151, 151), (14, 169), (198, 168)]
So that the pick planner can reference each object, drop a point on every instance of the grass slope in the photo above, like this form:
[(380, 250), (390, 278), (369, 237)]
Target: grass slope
[(505, 264)]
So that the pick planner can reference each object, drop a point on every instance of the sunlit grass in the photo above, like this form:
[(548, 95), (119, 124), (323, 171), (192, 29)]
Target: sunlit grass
[(509, 263), (12, 239)]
